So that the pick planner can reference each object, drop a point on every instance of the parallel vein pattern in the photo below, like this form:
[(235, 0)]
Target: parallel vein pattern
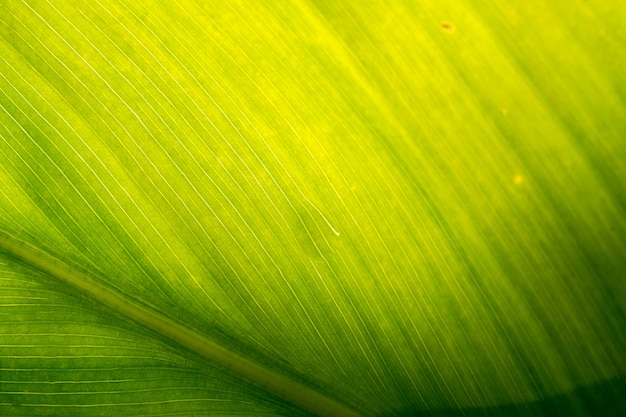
[(408, 206), (263, 377), (67, 359)]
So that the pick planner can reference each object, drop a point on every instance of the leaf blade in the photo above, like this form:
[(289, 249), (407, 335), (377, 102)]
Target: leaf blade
[(216, 196)]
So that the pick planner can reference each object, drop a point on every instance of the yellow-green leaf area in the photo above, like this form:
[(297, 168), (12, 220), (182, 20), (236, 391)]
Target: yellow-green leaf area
[(312, 208)]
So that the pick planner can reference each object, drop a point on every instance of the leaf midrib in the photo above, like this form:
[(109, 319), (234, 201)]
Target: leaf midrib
[(273, 382)]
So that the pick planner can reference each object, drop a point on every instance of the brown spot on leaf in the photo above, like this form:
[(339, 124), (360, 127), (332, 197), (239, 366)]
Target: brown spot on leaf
[(447, 26)]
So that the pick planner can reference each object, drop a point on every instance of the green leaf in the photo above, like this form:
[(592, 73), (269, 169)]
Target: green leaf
[(332, 208)]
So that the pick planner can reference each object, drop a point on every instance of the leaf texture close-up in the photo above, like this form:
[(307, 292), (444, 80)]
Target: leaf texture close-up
[(309, 207)]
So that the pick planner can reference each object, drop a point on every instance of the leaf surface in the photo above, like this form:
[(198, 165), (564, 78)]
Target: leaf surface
[(388, 208)]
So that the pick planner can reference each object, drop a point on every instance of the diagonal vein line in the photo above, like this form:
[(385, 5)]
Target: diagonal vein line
[(271, 381)]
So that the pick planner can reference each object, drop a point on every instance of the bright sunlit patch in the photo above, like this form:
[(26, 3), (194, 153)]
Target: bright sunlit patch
[(518, 179)]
